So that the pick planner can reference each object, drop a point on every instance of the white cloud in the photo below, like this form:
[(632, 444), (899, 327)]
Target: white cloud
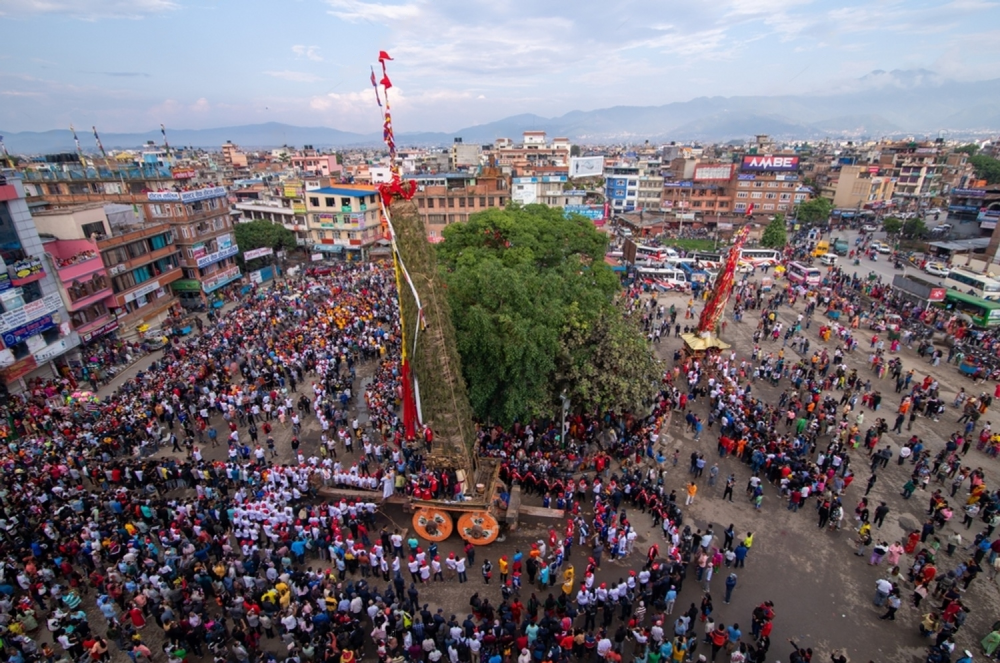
[(87, 9), (357, 10), (307, 52), (294, 76)]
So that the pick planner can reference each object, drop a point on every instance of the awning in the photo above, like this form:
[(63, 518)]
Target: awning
[(186, 285)]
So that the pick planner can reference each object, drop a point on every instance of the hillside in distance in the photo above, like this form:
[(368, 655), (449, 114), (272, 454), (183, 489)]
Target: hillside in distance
[(881, 104)]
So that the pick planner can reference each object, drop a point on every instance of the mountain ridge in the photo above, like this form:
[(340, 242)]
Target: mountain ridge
[(880, 104)]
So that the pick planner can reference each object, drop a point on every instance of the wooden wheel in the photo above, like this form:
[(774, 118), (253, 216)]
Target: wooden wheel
[(433, 524), (478, 528)]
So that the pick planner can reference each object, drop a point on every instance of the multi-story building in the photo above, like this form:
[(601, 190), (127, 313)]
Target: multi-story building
[(916, 167), (343, 220), (36, 334), (546, 190), (232, 156), (464, 155), (860, 185), (203, 232), (770, 182), (621, 187), (534, 153), (311, 162), (129, 285), (708, 192), (447, 198)]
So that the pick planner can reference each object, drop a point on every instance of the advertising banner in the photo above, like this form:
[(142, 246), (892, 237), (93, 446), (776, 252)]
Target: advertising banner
[(222, 254), (713, 172), (258, 253), (586, 166), (182, 173), (20, 334), (769, 162)]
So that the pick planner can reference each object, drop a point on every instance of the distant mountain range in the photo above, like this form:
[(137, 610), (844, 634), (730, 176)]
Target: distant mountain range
[(881, 104)]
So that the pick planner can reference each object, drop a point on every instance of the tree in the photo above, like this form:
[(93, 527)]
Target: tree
[(914, 228), (986, 167), (892, 225), (260, 234), (534, 309), (969, 149), (574, 150), (816, 210), (775, 235)]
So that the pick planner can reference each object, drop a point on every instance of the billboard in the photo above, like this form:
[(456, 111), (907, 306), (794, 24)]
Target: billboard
[(769, 162), (586, 166), (713, 172), (182, 173)]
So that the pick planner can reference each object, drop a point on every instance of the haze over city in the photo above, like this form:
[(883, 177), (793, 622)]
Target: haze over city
[(130, 65)]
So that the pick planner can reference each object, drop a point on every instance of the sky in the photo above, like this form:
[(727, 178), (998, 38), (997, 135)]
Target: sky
[(130, 65)]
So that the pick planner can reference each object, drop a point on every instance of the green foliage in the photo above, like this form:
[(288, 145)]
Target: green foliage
[(259, 234), (914, 228), (574, 150), (986, 168), (969, 149), (775, 235), (816, 210), (533, 305), (892, 225)]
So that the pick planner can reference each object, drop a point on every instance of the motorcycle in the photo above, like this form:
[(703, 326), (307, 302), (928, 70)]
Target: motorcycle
[(899, 265), (857, 261)]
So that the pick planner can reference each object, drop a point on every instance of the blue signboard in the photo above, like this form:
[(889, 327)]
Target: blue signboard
[(20, 334), (593, 212)]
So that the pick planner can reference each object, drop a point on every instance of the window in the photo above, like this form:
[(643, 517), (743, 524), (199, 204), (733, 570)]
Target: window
[(345, 202), (772, 185), (314, 202), (321, 234), (451, 202), (744, 183), (757, 194), (91, 229), (329, 202), (768, 206), (723, 205), (482, 201), (758, 185), (461, 202), (420, 202), (785, 196), (492, 203), (742, 194), (771, 196), (430, 203), (696, 203)]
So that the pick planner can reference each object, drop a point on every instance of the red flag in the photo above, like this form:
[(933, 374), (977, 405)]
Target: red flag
[(750, 210), (386, 83), (383, 56)]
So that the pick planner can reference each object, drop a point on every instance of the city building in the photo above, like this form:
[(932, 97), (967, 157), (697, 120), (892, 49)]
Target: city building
[(232, 156), (621, 187), (447, 198), (861, 185), (546, 190), (709, 191), (203, 232), (311, 162), (464, 155), (916, 168), (129, 285), (770, 183), (343, 221), (36, 335), (533, 154)]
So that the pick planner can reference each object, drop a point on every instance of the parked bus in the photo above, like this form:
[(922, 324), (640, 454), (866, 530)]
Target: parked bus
[(970, 283), (650, 253), (760, 257), (803, 274), (983, 313)]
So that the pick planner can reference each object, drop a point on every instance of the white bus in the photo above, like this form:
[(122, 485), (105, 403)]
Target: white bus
[(760, 257), (973, 284), (803, 274)]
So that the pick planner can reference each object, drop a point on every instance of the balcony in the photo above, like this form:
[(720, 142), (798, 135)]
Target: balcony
[(82, 266)]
